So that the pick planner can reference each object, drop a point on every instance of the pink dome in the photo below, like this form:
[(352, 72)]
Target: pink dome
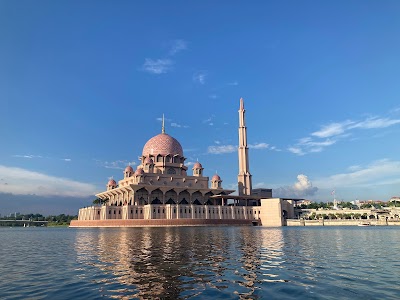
[(129, 169), (216, 178), (148, 161), (162, 144), (197, 165), (139, 171), (111, 182)]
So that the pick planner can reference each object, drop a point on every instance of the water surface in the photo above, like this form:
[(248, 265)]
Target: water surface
[(200, 263)]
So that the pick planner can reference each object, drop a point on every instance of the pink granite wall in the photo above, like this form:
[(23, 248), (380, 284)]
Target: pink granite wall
[(157, 222)]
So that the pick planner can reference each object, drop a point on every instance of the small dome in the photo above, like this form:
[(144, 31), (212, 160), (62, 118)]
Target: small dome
[(216, 178), (111, 182), (148, 161), (197, 165), (139, 171), (129, 169), (162, 144)]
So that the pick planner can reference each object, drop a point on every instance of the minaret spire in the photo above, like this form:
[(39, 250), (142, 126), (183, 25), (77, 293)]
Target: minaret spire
[(244, 177), (163, 125)]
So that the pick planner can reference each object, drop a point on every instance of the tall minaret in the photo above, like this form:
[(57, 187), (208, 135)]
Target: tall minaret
[(244, 177)]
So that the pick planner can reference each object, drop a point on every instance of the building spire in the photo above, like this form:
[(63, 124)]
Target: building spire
[(244, 177), (163, 125)]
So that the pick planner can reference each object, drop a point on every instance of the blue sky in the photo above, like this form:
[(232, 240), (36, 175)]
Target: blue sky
[(83, 85)]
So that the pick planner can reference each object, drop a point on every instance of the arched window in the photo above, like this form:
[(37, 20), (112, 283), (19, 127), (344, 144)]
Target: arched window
[(171, 171)]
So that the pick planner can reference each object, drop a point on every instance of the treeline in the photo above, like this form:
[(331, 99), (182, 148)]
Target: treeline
[(348, 205), (53, 220)]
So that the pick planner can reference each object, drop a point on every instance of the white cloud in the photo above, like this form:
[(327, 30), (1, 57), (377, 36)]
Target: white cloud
[(234, 83), (200, 77), (28, 156), (158, 66), (376, 173), (375, 123), (302, 188), (20, 181), (222, 149), (174, 124), (177, 46), (217, 142), (189, 163), (331, 133), (259, 146), (296, 150), (211, 124), (332, 129), (213, 96), (67, 159), (118, 164)]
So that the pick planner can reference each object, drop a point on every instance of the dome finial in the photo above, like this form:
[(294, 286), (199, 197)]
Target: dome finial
[(163, 125)]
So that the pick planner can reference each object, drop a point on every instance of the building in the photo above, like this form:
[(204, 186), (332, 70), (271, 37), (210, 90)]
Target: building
[(160, 192)]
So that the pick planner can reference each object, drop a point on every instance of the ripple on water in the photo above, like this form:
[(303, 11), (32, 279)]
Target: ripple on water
[(199, 263)]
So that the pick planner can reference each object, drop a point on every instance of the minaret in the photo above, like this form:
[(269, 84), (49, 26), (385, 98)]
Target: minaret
[(244, 177)]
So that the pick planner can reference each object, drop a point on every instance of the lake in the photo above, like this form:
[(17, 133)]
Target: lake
[(200, 263)]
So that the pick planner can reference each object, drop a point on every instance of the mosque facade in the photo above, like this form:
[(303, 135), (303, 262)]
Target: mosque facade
[(162, 191)]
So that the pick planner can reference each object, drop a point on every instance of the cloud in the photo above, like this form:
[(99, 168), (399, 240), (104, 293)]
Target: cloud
[(118, 164), (67, 159), (296, 150), (158, 66), (234, 83), (213, 96), (379, 172), (332, 129), (209, 121), (189, 163), (28, 156), (20, 181), (173, 124), (331, 133), (217, 142), (302, 188), (177, 46), (375, 123), (200, 77), (221, 149), (259, 146)]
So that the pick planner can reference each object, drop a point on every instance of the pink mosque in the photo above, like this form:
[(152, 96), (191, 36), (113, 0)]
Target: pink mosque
[(160, 192)]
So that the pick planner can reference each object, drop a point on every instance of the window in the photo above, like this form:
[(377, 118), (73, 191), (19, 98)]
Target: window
[(171, 171)]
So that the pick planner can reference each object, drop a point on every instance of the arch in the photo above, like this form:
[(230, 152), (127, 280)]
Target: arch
[(156, 194), (171, 171), (183, 201), (156, 201), (159, 158), (209, 200), (196, 202), (197, 196), (170, 201), (184, 195), (141, 196), (171, 195), (168, 158), (285, 214)]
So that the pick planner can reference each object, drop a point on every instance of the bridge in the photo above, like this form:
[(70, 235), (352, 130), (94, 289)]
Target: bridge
[(25, 223)]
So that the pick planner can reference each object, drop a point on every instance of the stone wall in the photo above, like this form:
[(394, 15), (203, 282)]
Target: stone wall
[(159, 223)]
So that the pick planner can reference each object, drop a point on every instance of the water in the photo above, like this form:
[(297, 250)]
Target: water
[(200, 263)]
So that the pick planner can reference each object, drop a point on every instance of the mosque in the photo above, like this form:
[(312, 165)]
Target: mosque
[(160, 192)]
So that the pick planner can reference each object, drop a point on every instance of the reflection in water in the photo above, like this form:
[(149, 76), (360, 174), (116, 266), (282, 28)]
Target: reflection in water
[(239, 262), (181, 262)]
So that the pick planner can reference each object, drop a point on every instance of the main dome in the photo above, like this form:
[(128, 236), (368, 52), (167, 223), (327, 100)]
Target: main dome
[(162, 144)]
